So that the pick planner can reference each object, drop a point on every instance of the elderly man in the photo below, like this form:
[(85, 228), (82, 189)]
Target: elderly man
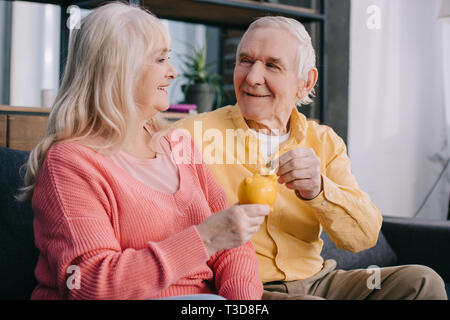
[(275, 72)]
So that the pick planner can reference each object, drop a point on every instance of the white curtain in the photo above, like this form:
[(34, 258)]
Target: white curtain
[(398, 122)]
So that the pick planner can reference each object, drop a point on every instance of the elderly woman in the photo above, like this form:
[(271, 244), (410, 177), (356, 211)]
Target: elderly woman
[(116, 217), (274, 73)]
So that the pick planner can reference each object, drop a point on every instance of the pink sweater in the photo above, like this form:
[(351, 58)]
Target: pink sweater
[(102, 234), (149, 171)]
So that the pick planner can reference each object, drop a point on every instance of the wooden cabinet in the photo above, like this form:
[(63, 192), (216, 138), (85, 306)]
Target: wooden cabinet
[(226, 13), (22, 128), (230, 15), (3, 128)]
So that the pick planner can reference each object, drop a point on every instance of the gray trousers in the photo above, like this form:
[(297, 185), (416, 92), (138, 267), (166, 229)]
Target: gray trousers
[(409, 282)]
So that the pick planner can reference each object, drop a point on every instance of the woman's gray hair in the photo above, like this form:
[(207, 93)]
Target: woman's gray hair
[(306, 55)]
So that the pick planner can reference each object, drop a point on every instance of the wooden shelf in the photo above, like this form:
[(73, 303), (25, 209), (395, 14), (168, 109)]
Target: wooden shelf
[(173, 116), (22, 128), (31, 110), (46, 111), (222, 13), (231, 13)]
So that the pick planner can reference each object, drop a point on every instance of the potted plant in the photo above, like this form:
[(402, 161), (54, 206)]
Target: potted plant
[(202, 84)]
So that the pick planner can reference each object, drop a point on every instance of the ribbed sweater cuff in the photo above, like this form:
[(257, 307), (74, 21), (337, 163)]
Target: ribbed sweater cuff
[(183, 251), (242, 289)]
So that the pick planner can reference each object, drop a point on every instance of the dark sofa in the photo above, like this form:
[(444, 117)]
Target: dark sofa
[(402, 241)]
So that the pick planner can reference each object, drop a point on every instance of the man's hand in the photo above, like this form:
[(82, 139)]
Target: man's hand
[(299, 169)]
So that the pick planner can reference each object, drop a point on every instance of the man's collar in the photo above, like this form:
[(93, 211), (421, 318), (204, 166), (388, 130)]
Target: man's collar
[(298, 123)]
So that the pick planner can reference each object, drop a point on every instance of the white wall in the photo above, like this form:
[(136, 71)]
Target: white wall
[(397, 130), (181, 34), (34, 52)]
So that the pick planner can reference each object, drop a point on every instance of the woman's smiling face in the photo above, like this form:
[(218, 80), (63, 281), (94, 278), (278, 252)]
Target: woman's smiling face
[(151, 93)]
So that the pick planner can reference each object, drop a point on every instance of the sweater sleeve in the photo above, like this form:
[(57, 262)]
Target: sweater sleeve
[(344, 210), (74, 227), (236, 273), (236, 270)]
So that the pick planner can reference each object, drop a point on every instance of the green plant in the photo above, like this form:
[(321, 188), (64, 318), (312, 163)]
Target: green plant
[(197, 70)]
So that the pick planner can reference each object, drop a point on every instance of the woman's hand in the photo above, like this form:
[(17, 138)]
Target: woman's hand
[(232, 227)]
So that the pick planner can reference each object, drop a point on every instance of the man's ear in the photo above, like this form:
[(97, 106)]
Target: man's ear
[(306, 87)]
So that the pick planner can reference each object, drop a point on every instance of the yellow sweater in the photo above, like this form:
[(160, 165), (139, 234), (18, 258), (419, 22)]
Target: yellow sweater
[(288, 244)]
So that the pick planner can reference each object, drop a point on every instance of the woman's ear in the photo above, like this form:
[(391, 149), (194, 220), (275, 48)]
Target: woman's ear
[(306, 87)]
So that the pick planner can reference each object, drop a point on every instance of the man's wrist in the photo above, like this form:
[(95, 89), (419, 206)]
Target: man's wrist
[(297, 193)]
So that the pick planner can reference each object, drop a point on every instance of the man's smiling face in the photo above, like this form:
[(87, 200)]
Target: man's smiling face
[(266, 75)]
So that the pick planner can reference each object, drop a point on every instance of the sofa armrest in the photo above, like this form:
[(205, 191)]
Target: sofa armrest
[(417, 241)]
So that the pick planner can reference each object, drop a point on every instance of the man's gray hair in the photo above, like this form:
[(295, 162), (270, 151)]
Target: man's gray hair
[(306, 55)]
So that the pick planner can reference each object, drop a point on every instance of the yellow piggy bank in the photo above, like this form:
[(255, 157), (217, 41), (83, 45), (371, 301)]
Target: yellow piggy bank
[(258, 189)]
